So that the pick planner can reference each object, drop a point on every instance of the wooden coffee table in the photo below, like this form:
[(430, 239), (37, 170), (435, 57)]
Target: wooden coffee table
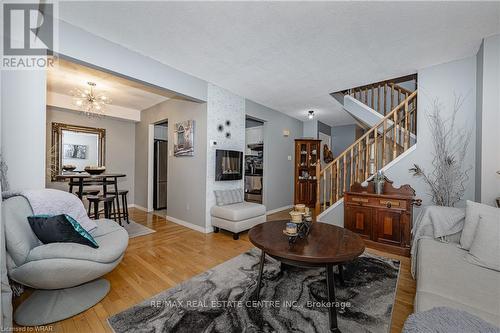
[(325, 246)]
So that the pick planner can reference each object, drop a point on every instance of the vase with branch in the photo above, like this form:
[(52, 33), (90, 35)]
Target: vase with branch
[(446, 182)]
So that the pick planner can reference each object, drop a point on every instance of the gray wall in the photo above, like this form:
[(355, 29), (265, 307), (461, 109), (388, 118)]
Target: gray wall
[(310, 129), (120, 143), (444, 82), (186, 175), (342, 137), (488, 121), (278, 170)]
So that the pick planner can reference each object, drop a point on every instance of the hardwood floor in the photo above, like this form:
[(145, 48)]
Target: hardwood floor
[(175, 253)]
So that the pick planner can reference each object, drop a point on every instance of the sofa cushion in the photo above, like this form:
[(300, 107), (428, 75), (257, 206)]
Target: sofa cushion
[(228, 197), (472, 212), (112, 245), (238, 211), (452, 281), (60, 229), (485, 248)]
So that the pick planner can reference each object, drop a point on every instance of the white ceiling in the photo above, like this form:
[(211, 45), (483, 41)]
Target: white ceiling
[(66, 76), (290, 55)]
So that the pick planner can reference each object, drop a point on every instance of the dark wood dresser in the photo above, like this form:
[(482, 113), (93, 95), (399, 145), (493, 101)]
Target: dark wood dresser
[(384, 221)]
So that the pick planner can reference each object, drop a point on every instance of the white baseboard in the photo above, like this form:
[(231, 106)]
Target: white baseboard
[(144, 209), (272, 211), (188, 225)]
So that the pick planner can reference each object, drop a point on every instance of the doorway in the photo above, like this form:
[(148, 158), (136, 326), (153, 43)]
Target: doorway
[(160, 167), (254, 160)]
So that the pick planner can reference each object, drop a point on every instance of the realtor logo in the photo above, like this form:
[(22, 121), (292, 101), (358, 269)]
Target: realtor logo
[(28, 38), (28, 29)]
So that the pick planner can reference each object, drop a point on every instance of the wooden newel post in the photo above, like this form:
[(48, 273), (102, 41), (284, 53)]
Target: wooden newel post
[(317, 208)]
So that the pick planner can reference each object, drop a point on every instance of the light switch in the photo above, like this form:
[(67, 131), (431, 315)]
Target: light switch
[(289, 157)]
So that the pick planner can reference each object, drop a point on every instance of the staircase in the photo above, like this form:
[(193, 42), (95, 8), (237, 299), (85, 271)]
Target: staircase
[(382, 143)]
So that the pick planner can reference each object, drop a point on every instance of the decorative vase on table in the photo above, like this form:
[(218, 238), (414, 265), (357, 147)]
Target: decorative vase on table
[(378, 182)]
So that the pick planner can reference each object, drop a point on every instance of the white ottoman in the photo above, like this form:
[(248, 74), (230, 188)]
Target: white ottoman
[(237, 217)]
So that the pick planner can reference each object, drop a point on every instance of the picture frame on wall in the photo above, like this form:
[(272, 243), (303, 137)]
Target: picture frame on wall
[(184, 138), (75, 151)]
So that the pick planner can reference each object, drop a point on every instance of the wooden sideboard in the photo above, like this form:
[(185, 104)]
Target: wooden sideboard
[(384, 221)]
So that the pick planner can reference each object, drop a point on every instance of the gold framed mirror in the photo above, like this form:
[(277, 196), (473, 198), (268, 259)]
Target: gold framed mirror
[(76, 146)]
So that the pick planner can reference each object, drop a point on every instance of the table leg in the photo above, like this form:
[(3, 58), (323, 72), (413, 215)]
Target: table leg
[(332, 311), (71, 185), (117, 201), (80, 188), (261, 269), (341, 274)]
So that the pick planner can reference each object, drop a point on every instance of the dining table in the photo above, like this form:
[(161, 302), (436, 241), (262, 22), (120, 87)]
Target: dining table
[(81, 179)]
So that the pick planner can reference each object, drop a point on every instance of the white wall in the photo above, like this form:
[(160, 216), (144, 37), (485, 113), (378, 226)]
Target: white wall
[(488, 119), (222, 105), (23, 127), (442, 81)]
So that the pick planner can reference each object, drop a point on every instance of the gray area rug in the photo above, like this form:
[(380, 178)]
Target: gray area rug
[(135, 229), (221, 299)]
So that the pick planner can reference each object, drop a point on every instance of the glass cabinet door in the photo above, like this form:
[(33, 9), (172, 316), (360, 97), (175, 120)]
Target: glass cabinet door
[(303, 154), (313, 153)]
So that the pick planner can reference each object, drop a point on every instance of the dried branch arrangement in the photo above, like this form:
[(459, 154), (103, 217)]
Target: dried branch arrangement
[(446, 182)]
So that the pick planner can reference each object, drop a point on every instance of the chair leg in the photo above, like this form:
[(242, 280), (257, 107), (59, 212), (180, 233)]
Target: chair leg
[(125, 208), (96, 210), (107, 210), (89, 209), (115, 214)]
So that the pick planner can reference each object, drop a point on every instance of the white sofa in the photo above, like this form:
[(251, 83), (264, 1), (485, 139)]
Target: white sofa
[(445, 278), (237, 217)]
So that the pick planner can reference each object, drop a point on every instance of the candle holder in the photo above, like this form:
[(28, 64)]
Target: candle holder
[(303, 229)]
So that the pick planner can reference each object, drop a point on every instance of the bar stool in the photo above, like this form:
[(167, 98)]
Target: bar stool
[(108, 202), (123, 195)]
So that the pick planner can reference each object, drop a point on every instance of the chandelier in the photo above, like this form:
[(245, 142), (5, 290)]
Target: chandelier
[(89, 101)]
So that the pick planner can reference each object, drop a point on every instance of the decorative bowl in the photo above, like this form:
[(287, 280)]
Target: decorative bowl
[(68, 167), (95, 170)]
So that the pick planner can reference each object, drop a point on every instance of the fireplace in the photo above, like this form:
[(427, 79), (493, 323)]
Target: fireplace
[(228, 165)]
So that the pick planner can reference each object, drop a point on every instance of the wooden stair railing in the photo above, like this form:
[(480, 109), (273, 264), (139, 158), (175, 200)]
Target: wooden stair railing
[(380, 145), (382, 96)]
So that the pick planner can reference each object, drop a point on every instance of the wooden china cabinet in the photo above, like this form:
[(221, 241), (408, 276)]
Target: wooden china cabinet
[(307, 162), (384, 221)]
